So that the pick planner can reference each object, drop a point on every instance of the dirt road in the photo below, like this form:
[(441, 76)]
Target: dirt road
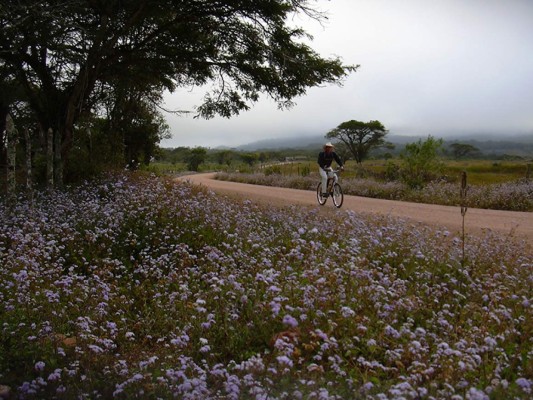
[(518, 225)]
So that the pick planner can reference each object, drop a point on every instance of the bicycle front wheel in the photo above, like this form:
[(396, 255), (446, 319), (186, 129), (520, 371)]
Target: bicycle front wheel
[(321, 200), (338, 196)]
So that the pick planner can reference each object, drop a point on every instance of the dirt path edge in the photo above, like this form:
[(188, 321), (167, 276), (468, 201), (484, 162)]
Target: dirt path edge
[(517, 226)]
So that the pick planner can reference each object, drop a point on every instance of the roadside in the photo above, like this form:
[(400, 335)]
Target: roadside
[(513, 224)]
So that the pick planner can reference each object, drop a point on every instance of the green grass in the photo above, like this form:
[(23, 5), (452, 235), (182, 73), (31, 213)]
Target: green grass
[(479, 172), (485, 172)]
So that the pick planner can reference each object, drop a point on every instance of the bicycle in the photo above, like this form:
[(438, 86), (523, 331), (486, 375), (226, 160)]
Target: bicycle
[(333, 189)]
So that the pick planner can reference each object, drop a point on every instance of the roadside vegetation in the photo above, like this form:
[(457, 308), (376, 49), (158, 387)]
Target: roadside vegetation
[(427, 171), (135, 286), (491, 185), (512, 196)]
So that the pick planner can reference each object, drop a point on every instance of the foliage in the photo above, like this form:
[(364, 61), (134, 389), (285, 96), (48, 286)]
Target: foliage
[(225, 157), (420, 162), (129, 115), (195, 158), (392, 171), (137, 287), (272, 170), (249, 158), (360, 137), (464, 150), (72, 58)]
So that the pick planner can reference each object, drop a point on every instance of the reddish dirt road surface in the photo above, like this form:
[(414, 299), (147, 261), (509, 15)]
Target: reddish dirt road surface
[(513, 224)]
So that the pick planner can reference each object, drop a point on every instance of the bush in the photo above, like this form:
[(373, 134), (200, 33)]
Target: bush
[(273, 169), (392, 171), (420, 162)]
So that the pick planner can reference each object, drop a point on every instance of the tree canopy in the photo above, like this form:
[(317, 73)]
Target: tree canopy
[(360, 137), (70, 56), (461, 150)]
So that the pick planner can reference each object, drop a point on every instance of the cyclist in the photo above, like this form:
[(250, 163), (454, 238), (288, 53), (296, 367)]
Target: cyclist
[(325, 158)]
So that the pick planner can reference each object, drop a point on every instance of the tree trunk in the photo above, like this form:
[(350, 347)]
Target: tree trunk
[(29, 181), (89, 135), (4, 110), (12, 137), (50, 158), (58, 164)]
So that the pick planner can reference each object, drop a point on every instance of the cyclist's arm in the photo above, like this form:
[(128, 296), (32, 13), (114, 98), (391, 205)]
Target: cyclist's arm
[(338, 160), (321, 160)]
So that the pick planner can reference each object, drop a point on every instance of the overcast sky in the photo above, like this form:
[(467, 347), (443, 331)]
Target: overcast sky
[(428, 67)]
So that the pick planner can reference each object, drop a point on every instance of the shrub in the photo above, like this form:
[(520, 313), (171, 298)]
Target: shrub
[(273, 169), (420, 162)]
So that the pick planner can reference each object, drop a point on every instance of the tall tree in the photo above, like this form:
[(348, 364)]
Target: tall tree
[(10, 94), (461, 150), (132, 118), (196, 157), (62, 50), (360, 137)]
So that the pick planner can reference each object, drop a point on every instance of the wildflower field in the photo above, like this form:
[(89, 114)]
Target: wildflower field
[(139, 287)]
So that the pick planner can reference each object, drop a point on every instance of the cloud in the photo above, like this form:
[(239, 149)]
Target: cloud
[(427, 67)]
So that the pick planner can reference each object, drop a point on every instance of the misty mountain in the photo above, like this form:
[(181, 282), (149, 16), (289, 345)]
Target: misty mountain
[(520, 145), (296, 142)]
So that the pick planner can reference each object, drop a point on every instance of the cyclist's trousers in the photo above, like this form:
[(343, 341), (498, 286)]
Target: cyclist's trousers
[(324, 176)]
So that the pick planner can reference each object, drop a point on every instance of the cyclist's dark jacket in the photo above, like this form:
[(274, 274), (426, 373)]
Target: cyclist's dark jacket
[(325, 160)]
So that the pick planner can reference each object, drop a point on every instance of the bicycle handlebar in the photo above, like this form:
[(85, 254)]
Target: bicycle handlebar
[(334, 170)]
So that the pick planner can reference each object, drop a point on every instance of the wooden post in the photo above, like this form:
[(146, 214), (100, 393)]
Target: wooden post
[(464, 208), (50, 158), (12, 139)]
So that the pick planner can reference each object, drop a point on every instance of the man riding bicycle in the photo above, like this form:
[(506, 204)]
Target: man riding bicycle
[(325, 158)]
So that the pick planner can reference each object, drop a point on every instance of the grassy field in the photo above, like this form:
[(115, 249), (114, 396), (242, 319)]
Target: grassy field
[(495, 185), (479, 172), (138, 287), (483, 172), (510, 196)]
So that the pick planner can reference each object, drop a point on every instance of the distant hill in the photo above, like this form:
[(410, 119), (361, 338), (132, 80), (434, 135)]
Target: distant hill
[(519, 145), (300, 142)]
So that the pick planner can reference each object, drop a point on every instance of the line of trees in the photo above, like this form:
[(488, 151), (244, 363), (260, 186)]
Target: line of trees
[(93, 72), (194, 157)]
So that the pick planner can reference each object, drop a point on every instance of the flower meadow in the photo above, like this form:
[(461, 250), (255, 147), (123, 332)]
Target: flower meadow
[(511, 196), (140, 287)]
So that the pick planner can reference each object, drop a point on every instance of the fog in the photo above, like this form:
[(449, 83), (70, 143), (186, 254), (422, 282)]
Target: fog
[(439, 67)]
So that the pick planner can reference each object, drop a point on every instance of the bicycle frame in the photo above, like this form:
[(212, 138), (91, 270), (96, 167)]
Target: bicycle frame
[(333, 178), (333, 189)]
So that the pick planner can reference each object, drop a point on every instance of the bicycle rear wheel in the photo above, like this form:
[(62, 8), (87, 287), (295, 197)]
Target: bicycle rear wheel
[(338, 196), (321, 200)]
